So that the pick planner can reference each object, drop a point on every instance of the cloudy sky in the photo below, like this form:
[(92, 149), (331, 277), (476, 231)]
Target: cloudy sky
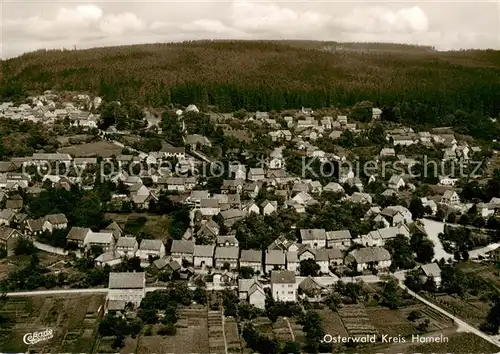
[(33, 24)]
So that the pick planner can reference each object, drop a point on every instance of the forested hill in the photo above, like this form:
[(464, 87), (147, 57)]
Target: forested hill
[(268, 75)]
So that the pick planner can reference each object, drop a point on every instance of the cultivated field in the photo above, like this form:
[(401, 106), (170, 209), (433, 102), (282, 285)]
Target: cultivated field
[(100, 148), (458, 343), (73, 320)]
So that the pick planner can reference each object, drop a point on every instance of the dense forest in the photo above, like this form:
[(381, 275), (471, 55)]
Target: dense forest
[(260, 75)]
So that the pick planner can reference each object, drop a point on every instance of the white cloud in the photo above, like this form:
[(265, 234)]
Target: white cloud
[(125, 23), (121, 23)]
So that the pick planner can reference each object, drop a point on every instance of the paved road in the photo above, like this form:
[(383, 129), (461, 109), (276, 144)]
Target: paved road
[(461, 324), (474, 254), (59, 292), (433, 229)]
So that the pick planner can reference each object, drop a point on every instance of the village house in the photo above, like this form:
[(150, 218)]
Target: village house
[(362, 259), (252, 189), (177, 152), (124, 288), (340, 239), (251, 207), (238, 171), (8, 239), (387, 152), (450, 198), (182, 250), (403, 140), (209, 207), (209, 230), (274, 260), (77, 236), (232, 186), (321, 257), (431, 270), (110, 258), (283, 286), (361, 198), (227, 241), (252, 291), (231, 216), (6, 217), (447, 180), (292, 261), (203, 256), (333, 187), (269, 207), (380, 236), (127, 246), (396, 215), (396, 182), (104, 240), (256, 174), (315, 238), (335, 257), (376, 113), (150, 249), (225, 256), (252, 259), (56, 222)]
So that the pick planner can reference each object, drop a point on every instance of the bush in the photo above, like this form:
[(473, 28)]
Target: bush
[(168, 330), (414, 315)]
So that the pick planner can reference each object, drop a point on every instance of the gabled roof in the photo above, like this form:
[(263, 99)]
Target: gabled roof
[(312, 234), (78, 233), (275, 257), (251, 256), (338, 235), (227, 252), (204, 250), (431, 269), (282, 277), (182, 246), (151, 245), (127, 280), (126, 242)]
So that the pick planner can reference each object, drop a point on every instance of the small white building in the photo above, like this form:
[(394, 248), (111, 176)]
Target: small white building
[(252, 259), (204, 256), (315, 238)]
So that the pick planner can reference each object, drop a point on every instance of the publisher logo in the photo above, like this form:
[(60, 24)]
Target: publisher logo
[(36, 337)]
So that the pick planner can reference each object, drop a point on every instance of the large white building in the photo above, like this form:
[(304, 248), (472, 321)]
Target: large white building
[(124, 288), (283, 286)]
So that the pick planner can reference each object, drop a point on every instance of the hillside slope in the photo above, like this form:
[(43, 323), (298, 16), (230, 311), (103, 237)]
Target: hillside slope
[(265, 75)]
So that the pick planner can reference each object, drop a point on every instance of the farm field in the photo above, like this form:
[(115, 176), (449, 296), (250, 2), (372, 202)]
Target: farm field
[(458, 343), (191, 336), (100, 148), (470, 310), (73, 320)]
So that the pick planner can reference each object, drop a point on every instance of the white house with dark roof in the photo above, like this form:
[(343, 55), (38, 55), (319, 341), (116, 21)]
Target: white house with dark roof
[(150, 248), (341, 239), (226, 255), (369, 258), (105, 240), (256, 174), (204, 255), (396, 182), (126, 287), (77, 235), (274, 260), (209, 207), (431, 270), (227, 241), (450, 198), (127, 246), (315, 238), (283, 286), (182, 249), (292, 261), (252, 291), (269, 207), (252, 259)]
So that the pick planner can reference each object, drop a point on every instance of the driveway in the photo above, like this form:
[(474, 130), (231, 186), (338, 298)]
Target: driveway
[(433, 229)]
